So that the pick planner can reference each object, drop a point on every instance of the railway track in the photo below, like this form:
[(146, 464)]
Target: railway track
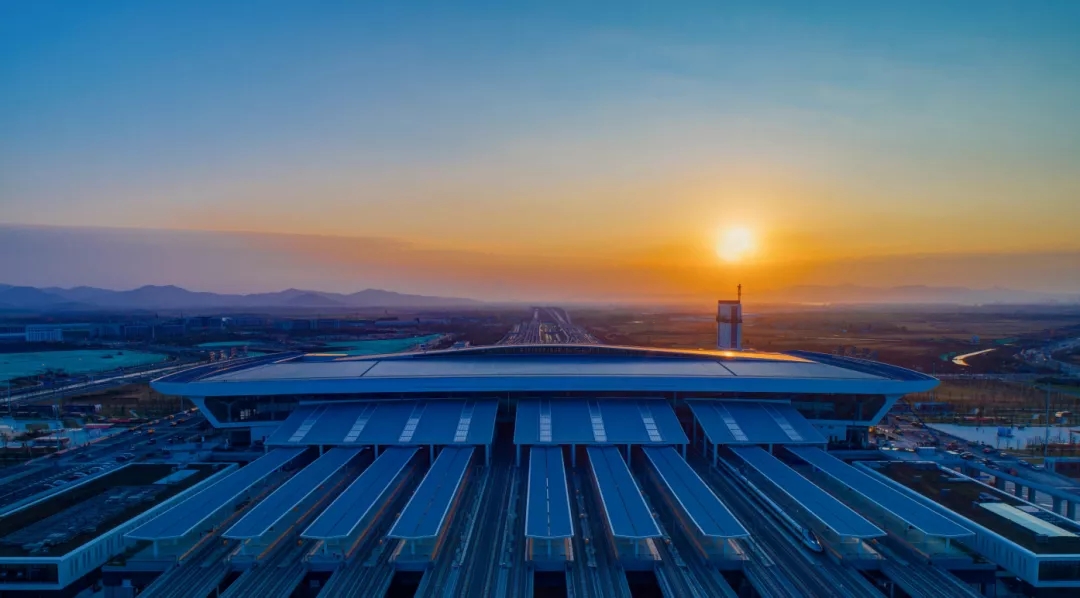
[(479, 577), (780, 566)]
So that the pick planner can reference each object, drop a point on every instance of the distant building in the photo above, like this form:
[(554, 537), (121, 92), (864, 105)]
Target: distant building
[(48, 335), (137, 331), (57, 333), (729, 323)]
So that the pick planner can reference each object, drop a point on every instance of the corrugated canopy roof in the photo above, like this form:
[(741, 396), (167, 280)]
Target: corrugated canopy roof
[(183, 518), (901, 506), (590, 421), (627, 514), (425, 514), (837, 516), (711, 516), (547, 509), (349, 509), (403, 422), (751, 422)]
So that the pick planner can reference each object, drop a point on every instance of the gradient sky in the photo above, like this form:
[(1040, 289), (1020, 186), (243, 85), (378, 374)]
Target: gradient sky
[(598, 151)]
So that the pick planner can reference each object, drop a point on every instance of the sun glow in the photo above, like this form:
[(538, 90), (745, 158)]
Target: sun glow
[(736, 244)]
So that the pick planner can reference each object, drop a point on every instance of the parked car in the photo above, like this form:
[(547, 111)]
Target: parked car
[(1024, 463), (987, 450), (1039, 467)]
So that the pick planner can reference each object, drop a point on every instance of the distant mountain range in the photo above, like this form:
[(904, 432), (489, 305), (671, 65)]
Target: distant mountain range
[(913, 294), (173, 297), (150, 298)]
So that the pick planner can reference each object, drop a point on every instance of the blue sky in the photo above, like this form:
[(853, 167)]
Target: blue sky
[(628, 131)]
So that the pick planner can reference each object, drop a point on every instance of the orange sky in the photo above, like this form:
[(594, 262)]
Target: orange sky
[(603, 152)]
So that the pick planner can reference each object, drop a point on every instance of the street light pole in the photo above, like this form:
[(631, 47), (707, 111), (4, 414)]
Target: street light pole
[(1046, 439)]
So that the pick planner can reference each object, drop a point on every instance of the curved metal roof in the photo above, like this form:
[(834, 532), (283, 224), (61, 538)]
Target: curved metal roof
[(566, 368)]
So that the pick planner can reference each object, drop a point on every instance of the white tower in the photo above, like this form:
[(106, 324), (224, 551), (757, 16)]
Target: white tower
[(729, 323)]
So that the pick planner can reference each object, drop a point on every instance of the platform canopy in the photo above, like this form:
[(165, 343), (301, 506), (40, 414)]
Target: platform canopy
[(597, 421), (753, 422), (627, 514), (400, 422), (712, 517), (349, 509), (186, 516), (425, 514), (547, 509), (901, 506), (275, 507), (821, 505)]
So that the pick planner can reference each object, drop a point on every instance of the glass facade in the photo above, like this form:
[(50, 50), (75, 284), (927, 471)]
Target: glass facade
[(1059, 570)]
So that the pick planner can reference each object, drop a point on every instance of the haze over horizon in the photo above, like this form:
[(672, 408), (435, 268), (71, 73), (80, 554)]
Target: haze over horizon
[(548, 153)]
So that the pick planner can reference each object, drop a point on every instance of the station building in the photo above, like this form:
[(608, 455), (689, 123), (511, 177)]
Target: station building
[(606, 409)]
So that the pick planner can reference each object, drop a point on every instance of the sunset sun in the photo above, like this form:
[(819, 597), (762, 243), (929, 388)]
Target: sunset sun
[(736, 244)]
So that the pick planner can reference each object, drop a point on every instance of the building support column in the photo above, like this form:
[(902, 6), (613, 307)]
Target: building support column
[(1018, 490), (715, 456), (1057, 504), (517, 449), (684, 452), (573, 455), (1070, 510)]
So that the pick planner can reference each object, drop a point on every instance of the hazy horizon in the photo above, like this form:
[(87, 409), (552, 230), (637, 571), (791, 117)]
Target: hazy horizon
[(555, 152), (115, 258)]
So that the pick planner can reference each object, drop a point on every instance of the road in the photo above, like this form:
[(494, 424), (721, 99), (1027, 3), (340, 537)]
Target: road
[(36, 394), (548, 325), (34, 476)]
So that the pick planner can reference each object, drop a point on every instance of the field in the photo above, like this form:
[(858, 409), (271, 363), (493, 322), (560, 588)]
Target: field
[(19, 365), (122, 400), (1018, 403), (923, 339)]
